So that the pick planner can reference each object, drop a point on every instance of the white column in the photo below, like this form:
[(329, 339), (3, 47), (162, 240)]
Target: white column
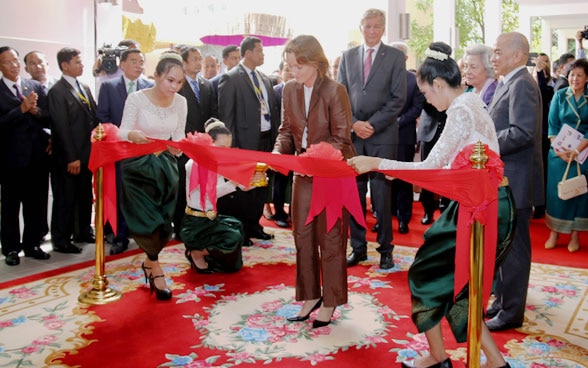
[(546, 34), (444, 22), (395, 8), (525, 14), (492, 21)]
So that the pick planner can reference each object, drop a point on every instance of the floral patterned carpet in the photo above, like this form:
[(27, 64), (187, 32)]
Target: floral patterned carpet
[(227, 320)]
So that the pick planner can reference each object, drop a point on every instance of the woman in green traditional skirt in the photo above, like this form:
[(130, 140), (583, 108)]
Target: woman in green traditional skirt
[(150, 182), (431, 276), (213, 241)]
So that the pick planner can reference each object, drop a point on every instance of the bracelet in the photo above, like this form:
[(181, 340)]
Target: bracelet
[(576, 150)]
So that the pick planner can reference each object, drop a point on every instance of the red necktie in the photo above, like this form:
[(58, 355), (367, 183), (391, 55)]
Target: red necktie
[(367, 65)]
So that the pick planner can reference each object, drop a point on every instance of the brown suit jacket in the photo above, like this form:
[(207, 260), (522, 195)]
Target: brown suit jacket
[(329, 117)]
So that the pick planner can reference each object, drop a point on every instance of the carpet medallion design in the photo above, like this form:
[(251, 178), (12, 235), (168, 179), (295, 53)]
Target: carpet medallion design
[(227, 320)]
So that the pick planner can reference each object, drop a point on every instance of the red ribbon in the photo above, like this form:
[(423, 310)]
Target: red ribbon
[(475, 189), (207, 180)]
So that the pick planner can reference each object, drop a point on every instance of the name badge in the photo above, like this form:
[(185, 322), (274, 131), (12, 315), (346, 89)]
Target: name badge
[(264, 108)]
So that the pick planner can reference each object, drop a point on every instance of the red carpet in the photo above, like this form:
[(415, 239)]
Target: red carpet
[(143, 330), (239, 319)]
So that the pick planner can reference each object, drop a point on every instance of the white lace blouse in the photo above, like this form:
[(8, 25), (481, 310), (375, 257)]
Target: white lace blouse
[(154, 121), (467, 122)]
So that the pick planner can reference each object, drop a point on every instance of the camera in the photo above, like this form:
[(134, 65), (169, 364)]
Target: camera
[(585, 33), (109, 55)]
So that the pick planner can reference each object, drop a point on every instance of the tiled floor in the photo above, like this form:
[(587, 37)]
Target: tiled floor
[(29, 266)]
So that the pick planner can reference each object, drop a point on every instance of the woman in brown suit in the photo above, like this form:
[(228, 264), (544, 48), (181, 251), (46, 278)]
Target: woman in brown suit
[(315, 109)]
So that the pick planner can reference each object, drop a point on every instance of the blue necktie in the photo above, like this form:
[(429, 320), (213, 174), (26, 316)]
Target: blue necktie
[(196, 89), (259, 93)]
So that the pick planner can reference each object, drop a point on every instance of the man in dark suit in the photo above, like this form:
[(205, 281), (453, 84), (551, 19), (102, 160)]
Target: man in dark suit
[(280, 181), (35, 63), (402, 192), (111, 103), (517, 113), (24, 147), (249, 108), (202, 105), (231, 58), (375, 77), (73, 116)]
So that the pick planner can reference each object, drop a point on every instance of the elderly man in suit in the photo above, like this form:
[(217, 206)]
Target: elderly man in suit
[(249, 108), (375, 77), (73, 116), (111, 103), (23, 160), (202, 105), (517, 113)]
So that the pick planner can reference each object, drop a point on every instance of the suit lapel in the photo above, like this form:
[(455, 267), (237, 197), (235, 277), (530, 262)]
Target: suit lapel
[(26, 87), (76, 95), (378, 57), (246, 79), (73, 92), (121, 89), (359, 62), (498, 96), (575, 106), (6, 91)]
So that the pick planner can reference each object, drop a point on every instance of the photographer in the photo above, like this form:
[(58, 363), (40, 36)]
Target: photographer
[(580, 35), (104, 72)]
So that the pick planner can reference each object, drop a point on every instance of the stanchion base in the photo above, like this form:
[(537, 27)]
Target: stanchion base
[(98, 297)]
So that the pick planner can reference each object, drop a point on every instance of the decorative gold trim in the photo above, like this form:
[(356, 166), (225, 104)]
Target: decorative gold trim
[(211, 215)]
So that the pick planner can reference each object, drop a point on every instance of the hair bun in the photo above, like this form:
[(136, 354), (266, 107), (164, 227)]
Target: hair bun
[(170, 55), (211, 124)]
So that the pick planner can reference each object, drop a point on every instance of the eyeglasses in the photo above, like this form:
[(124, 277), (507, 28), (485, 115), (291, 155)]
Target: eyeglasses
[(10, 62), (136, 62)]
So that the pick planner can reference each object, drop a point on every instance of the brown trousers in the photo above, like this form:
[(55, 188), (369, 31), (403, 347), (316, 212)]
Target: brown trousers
[(318, 252)]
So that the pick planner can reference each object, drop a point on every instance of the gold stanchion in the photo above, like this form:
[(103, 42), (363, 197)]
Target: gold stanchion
[(478, 159), (100, 293)]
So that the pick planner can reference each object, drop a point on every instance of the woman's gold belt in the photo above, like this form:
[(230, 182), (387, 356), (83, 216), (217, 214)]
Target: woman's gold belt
[(211, 215)]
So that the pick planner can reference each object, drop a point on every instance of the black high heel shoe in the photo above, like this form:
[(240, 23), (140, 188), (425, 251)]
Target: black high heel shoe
[(304, 318), (145, 271), (160, 294), (444, 364), (206, 270), (317, 323)]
